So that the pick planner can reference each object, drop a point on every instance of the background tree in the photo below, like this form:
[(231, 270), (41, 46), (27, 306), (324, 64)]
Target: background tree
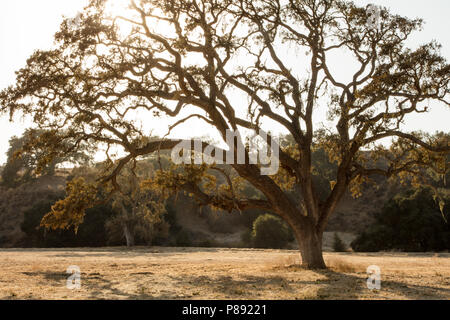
[(139, 213), (270, 232), (14, 164), (411, 222), (338, 244), (24, 154), (187, 58)]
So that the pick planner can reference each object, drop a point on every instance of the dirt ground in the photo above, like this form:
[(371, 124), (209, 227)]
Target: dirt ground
[(198, 273)]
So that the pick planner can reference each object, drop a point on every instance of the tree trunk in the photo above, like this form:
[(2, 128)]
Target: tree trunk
[(310, 244), (128, 236)]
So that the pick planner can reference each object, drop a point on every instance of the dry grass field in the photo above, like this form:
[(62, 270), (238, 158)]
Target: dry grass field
[(197, 273)]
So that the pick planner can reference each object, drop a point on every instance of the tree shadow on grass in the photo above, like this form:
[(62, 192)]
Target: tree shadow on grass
[(326, 284), (332, 285), (102, 288), (48, 275), (227, 287), (339, 285), (99, 287), (192, 287)]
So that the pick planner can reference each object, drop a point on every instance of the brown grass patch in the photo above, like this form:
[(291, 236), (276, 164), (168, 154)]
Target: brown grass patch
[(197, 273), (340, 265)]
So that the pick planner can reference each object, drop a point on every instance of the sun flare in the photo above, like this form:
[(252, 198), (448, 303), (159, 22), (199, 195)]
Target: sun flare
[(115, 8)]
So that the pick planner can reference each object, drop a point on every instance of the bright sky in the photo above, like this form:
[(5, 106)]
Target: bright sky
[(27, 25)]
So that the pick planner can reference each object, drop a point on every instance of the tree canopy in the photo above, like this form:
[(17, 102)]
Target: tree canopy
[(410, 222)]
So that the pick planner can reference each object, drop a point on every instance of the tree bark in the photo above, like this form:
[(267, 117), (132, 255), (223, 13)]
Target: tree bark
[(310, 244), (128, 236)]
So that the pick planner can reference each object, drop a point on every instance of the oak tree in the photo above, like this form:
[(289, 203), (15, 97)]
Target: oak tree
[(26, 159), (240, 65)]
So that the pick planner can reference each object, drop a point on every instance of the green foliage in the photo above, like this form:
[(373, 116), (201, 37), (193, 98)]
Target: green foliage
[(270, 232), (411, 222), (338, 244)]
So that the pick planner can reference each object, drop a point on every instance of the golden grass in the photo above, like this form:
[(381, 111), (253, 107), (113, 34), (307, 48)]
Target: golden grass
[(196, 273), (339, 264)]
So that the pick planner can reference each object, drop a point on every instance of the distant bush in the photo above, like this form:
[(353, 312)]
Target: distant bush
[(183, 239), (228, 222), (221, 222), (246, 238), (270, 232), (338, 244), (209, 243), (177, 235), (411, 221)]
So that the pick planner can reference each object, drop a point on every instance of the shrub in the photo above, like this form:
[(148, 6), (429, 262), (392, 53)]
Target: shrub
[(411, 221), (270, 232), (183, 239), (209, 243), (338, 244), (221, 223), (246, 238)]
